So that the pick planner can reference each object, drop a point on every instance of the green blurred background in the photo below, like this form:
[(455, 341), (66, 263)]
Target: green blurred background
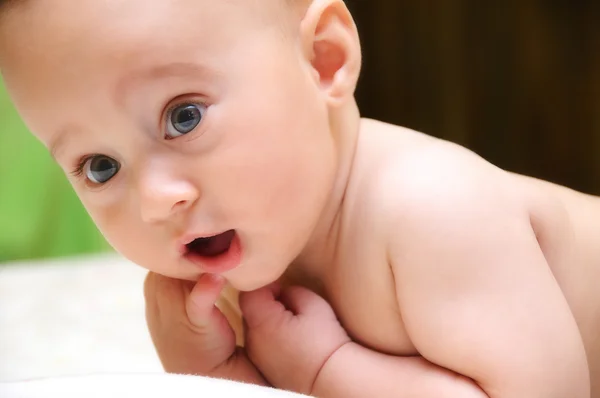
[(40, 216), (516, 81)]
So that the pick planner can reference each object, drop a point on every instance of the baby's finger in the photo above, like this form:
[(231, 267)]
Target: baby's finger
[(261, 305), (200, 303), (164, 297), (302, 301)]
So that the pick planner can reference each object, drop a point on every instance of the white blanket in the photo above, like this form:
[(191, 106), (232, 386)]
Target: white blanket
[(136, 385)]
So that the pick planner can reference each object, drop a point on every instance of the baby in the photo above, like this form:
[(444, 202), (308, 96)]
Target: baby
[(218, 141)]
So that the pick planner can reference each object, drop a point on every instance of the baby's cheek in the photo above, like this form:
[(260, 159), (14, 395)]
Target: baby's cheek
[(144, 244), (108, 219), (118, 227)]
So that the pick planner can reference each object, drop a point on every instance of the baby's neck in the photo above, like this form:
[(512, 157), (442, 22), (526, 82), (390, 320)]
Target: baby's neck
[(321, 248)]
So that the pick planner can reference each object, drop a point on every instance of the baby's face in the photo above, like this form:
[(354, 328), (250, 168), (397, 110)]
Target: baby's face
[(176, 120)]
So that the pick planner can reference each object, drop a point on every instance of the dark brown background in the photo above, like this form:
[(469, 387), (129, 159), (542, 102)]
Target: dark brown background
[(518, 82)]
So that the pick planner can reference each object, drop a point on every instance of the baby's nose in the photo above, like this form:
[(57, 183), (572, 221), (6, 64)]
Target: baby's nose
[(163, 195)]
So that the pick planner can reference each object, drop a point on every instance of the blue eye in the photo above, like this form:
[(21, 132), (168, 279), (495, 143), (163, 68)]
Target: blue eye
[(99, 169), (183, 119)]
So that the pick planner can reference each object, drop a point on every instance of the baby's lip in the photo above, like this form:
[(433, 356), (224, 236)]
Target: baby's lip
[(187, 238), (220, 254)]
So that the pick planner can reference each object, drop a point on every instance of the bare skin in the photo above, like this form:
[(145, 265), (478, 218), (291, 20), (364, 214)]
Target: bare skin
[(443, 275), (561, 218)]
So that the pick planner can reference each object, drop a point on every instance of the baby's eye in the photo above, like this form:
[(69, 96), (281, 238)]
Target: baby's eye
[(183, 119), (99, 169)]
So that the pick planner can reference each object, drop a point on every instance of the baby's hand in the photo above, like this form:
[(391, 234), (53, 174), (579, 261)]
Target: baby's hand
[(190, 334), (290, 335)]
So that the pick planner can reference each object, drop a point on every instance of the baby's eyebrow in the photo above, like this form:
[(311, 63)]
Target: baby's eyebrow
[(127, 83), (59, 139), (141, 76)]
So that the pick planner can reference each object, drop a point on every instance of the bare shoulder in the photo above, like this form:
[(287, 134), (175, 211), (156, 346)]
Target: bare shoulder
[(409, 180), (468, 267), (409, 173), (423, 182)]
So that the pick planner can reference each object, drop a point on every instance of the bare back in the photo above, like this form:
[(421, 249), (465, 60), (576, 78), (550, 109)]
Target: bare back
[(360, 284)]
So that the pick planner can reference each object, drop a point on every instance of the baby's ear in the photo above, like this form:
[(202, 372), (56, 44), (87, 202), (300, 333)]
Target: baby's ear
[(331, 44)]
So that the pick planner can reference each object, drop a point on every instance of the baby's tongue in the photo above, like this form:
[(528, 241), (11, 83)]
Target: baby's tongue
[(210, 247)]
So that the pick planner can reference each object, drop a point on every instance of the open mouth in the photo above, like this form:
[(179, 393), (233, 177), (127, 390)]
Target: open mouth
[(212, 246)]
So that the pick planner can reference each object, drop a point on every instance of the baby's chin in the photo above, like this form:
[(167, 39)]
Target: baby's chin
[(255, 279)]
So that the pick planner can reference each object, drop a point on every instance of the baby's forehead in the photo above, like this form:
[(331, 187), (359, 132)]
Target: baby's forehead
[(87, 46), (75, 7), (61, 25), (67, 28)]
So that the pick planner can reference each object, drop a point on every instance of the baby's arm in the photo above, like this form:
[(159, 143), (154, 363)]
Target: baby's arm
[(474, 288), (295, 339), (356, 371)]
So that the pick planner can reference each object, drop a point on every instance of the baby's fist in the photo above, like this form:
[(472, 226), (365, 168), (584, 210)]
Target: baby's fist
[(290, 335)]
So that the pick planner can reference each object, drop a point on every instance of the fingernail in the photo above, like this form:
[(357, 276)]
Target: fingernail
[(215, 278)]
